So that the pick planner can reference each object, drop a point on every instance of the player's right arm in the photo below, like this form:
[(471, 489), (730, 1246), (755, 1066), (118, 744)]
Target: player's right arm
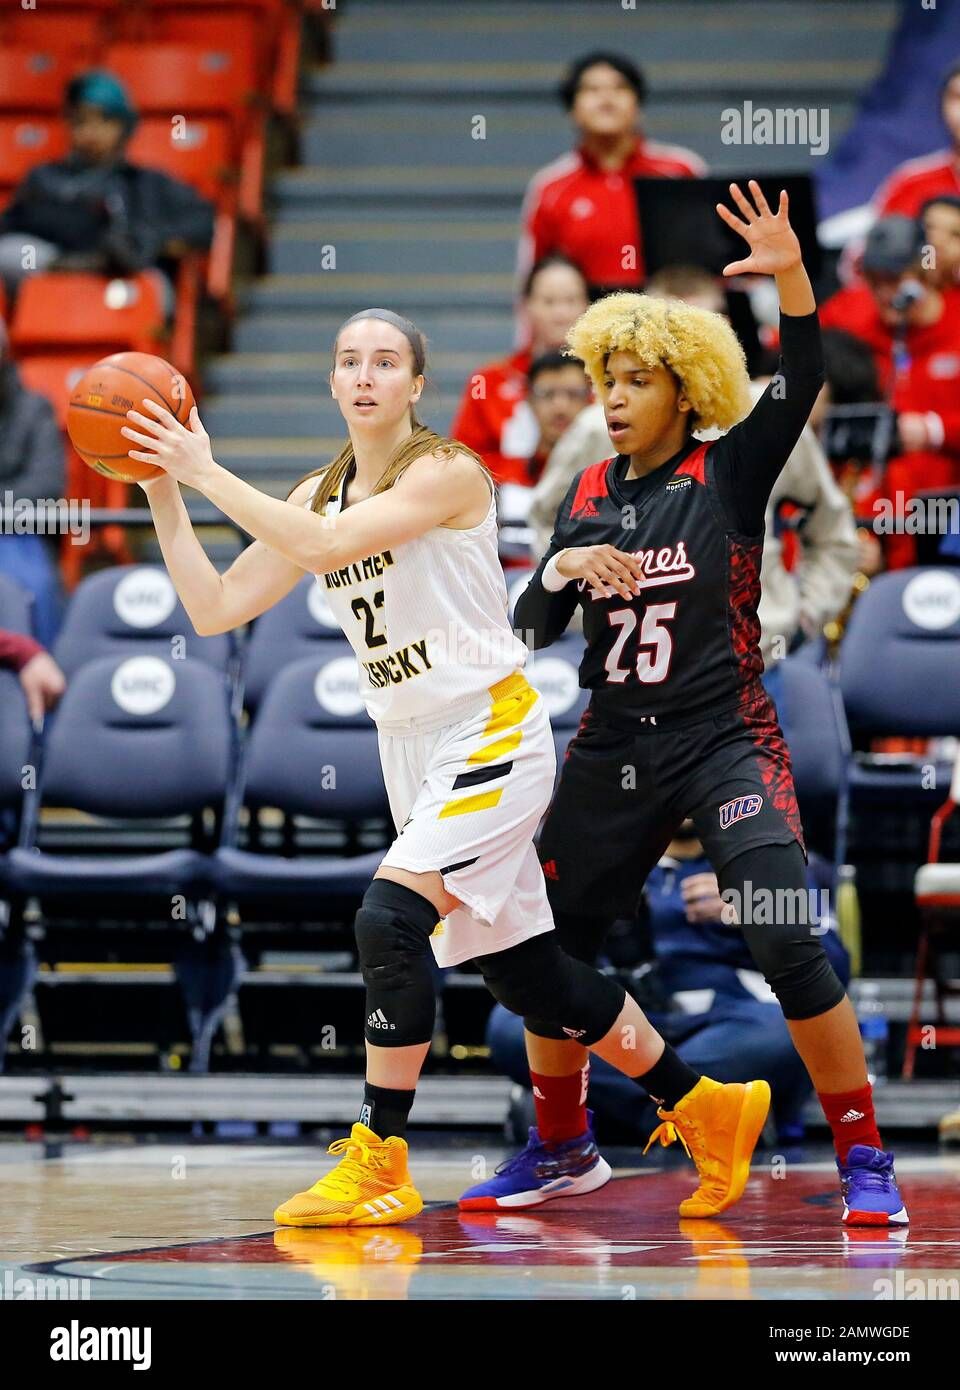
[(258, 578), (547, 604)]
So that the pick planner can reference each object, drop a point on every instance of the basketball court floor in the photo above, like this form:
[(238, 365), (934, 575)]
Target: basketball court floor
[(193, 1221)]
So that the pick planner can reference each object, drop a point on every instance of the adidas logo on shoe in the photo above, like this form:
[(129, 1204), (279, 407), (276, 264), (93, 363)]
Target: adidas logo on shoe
[(378, 1019), (850, 1116)]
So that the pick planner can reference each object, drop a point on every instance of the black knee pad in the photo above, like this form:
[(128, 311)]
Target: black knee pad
[(535, 979), (393, 928), (789, 949)]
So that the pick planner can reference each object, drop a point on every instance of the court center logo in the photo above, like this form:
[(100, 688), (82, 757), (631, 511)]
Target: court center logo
[(740, 808), (144, 598), (143, 685)]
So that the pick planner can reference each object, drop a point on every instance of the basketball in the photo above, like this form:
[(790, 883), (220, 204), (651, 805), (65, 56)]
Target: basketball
[(99, 403)]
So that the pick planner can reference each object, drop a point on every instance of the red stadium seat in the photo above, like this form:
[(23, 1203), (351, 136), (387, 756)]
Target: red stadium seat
[(33, 79), (54, 375), (26, 141), (181, 79), (59, 311), (201, 152), (188, 79), (273, 25), (77, 28)]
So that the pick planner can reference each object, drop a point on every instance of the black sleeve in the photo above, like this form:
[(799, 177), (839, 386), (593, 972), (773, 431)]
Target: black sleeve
[(540, 617), (748, 460)]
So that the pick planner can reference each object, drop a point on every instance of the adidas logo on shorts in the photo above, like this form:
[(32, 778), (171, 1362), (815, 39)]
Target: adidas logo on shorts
[(575, 1032), (378, 1019)]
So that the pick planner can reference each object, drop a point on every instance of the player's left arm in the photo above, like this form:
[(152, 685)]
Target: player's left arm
[(748, 460), (431, 492)]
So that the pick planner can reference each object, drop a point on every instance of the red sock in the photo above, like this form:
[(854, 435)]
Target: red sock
[(851, 1118), (561, 1104)]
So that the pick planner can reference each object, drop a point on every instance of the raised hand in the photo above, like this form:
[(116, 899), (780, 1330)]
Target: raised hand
[(773, 243)]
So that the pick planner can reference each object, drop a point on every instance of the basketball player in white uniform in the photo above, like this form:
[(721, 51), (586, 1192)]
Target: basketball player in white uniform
[(400, 530)]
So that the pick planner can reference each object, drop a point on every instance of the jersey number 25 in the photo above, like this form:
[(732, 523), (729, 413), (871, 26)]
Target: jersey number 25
[(651, 666)]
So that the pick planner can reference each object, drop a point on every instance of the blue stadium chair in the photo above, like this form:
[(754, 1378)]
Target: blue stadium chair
[(15, 752), (18, 962), (815, 730), (15, 606), (293, 628), (898, 674), (132, 610), (312, 752), (14, 740), (133, 739), (144, 747)]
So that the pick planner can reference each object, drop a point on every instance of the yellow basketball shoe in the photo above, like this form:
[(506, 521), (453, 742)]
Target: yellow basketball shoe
[(718, 1126), (370, 1186)]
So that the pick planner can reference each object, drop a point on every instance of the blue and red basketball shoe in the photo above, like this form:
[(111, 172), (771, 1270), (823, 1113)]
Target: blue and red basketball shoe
[(869, 1186), (541, 1172)]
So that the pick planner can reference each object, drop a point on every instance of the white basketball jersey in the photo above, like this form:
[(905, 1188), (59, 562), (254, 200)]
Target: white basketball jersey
[(427, 620)]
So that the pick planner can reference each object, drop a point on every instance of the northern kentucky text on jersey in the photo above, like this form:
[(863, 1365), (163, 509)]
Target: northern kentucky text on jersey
[(370, 568), (398, 666)]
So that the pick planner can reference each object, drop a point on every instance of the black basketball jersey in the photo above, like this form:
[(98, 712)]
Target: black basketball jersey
[(689, 639)]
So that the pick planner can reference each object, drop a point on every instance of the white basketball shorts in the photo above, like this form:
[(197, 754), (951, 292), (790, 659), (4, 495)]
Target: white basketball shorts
[(466, 799)]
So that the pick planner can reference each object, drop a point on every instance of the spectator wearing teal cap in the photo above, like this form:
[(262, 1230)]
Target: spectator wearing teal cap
[(94, 210)]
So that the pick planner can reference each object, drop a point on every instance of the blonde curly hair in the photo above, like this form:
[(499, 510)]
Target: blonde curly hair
[(699, 347)]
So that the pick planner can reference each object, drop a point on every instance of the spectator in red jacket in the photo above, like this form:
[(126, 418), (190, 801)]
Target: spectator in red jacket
[(42, 680), (915, 181), (583, 204), (913, 330), (940, 219), (494, 417)]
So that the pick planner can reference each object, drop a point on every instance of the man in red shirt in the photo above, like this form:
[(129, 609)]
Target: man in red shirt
[(916, 181), (494, 417), (583, 205), (913, 330)]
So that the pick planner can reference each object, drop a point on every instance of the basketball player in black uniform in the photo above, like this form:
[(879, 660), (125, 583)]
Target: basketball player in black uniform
[(660, 546)]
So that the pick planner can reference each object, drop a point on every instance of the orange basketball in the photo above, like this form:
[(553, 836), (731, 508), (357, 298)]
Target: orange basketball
[(99, 403)]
